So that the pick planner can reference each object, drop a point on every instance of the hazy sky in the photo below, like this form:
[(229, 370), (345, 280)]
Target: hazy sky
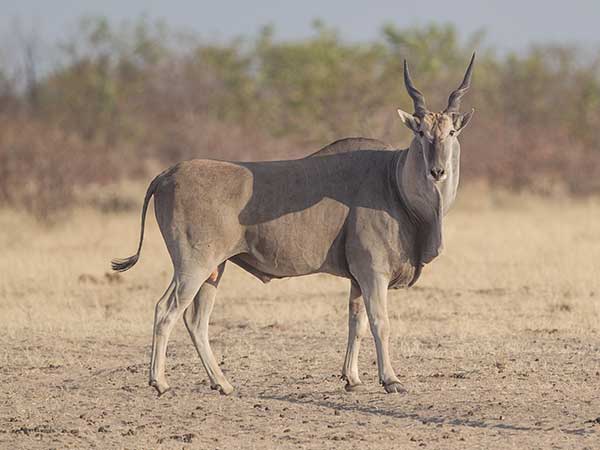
[(510, 24)]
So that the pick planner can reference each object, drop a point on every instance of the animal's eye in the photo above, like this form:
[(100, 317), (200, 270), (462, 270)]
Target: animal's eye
[(452, 132), (421, 134)]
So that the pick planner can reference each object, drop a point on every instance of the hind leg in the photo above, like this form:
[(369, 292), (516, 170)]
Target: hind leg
[(169, 310), (196, 318), (160, 306)]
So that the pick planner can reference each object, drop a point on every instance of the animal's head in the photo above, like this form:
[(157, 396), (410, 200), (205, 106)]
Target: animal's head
[(437, 132)]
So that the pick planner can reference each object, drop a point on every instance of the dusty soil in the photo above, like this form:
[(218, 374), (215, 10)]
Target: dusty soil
[(498, 345)]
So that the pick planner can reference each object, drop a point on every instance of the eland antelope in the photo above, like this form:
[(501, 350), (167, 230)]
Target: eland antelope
[(357, 209)]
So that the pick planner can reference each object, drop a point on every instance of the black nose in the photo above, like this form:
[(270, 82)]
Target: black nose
[(437, 173)]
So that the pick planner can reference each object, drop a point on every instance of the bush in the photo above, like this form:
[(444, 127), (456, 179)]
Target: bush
[(41, 167), (120, 97)]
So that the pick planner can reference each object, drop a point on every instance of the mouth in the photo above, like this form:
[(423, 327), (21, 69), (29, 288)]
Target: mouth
[(437, 179)]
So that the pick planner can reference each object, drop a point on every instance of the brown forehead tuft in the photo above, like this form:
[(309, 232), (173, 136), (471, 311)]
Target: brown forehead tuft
[(437, 123)]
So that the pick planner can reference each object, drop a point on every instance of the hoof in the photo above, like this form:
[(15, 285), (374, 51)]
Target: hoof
[(224, 389), (394, 387), (161, 389), (163, 392), (354, 387)]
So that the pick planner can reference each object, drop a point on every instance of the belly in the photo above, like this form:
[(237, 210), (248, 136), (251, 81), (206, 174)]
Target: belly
[(299, 243)]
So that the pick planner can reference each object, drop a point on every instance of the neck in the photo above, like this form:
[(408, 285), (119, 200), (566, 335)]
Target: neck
[(449, 186), (423, 196)]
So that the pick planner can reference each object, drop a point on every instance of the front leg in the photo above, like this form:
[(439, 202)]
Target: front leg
[(375, 290), (357, 328)]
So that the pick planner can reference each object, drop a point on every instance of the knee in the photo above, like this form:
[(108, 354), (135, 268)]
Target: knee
[(164, 326), (361, 325), (355, 307), (381, 324)]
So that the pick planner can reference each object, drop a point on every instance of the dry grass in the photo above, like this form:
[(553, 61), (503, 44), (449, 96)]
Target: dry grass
[(498, 344)]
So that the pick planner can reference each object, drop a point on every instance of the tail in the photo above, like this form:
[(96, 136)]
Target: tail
[(121, 265)]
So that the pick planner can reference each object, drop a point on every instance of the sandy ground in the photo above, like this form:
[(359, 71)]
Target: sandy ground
[(498, 345)]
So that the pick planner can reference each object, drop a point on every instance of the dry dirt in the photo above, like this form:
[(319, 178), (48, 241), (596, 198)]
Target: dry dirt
[(498, 345)]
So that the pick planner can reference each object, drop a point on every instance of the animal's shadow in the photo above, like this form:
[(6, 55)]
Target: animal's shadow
[(397, 413), (284, 187)]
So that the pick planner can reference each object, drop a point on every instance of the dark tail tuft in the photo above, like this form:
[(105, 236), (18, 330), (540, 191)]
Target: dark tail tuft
[(121, 265)]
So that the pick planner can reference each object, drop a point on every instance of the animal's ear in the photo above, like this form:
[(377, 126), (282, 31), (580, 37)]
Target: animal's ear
[(461, 120), (409, 120)]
